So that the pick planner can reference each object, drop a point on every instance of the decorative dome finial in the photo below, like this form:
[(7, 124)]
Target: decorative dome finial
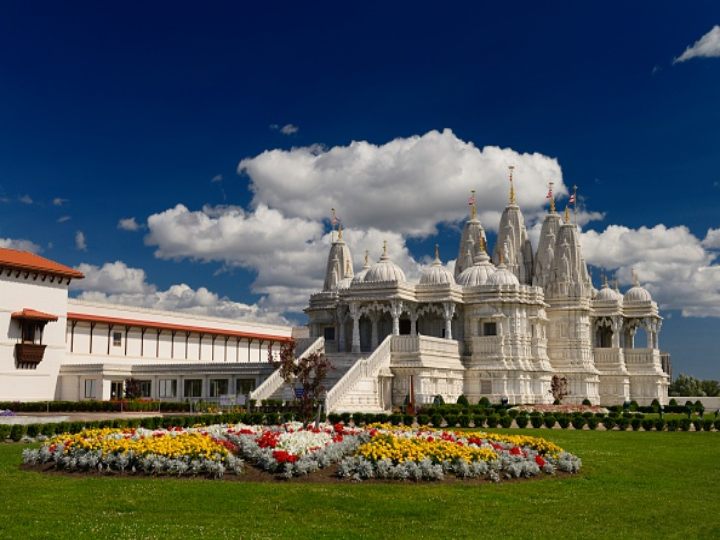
[(367, 258), (340, 232), (384, 253), (605, 280), (567, 214), (437, 252), (472, 201), (511, 168), (551, 197), (635, 280)]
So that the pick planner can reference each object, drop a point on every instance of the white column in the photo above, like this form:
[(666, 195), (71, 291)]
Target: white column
[(448, 312), (341, 329), (413, 320), (396, 309), (355, 314)]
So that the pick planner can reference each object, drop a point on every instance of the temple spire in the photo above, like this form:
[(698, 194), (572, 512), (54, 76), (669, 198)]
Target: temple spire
[(472, 201), (437, 252), (567, 214), (511, 168), (551, 197), (340, 233)]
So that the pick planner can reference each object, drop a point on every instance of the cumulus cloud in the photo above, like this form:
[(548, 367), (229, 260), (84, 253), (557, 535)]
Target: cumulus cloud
[(80, 242), (287, 129), (407, 185), (671, 263), (129, 224), (707, 46), (712, 239), (118, 283), (20, 245), (26, 199)]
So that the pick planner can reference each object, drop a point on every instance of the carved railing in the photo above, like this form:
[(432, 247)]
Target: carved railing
[(29, 354), (489, 345), (270, 385), (365, 367), (425, 344)]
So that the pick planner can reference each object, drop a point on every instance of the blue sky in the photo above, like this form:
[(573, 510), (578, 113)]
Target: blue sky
[(110, 113)]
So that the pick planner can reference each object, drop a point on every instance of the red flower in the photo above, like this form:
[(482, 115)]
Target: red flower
[(515, 451), (540, 461), (268, 439), (281, 456), (339, 428)]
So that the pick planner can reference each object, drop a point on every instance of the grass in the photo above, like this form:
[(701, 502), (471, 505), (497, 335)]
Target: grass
[(633, 485)]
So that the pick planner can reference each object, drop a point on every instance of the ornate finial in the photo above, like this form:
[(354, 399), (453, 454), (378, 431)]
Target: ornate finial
[(333, 222), (340, 232), (367, 258), (437, 252), (472, 201), (567, 214), (551, 197), (483, 243), (635, 280), (511, 168), (573, 199), (604, 280), (385, 249), (617, 285)]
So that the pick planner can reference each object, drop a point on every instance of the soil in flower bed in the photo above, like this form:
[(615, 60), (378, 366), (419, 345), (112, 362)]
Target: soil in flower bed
[(327, 475)]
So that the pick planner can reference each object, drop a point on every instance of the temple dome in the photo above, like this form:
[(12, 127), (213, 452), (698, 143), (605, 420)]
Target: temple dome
[(384, 270), (606, 294), (503, 276), (436, 273), (636, 292), (479, 273), (360, 276)]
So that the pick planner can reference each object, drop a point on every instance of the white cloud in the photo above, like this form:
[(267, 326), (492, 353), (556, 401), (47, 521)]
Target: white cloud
[(712, 239), (80, 242), (217, 178), (20, 245), (26, 199), (57, 201), (63, 219), (129, 224), (118, 283), (407, 185), (707, 46), (671, 263), (287, 129)]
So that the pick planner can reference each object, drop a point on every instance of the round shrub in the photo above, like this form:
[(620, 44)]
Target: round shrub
[(4, 432), (578, 422), (452, 420), (659, 424), (521, 421), (484, 402), (395, 419), (697, 424), (506, 421), (549, 421), (423, 419), (586, 402), (685, 424), (672, 424), (464, 420), (479, 420), (609, 423), (635, 423), (345, 417), (623, 423), (462, 400), (33, 430), (333, 418), (707, 425), (492, 420), (647, 424), (17, 431), (563, 421), (536, 421), (436, 420), (512, 413), (358, 418), (593, 422), (272, 418), (717, 424)]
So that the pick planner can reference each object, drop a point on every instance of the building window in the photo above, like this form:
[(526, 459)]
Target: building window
[(485, 387), (218, 387), (489, 329), (144, 389), (193, 388), (167, 388), (117, 339), (90, 388), (329, 333), (244, 386)]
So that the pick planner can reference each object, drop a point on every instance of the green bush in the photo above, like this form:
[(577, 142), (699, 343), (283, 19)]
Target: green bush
[(593, 422), (698, 425), (48, 429), (707, 425), (436, 420), (655, 405), (717, 424), (395, 419), (673, 402), (536, 421), (647, 424), (438, 400), (479, 420), (563, 421), (513, 413), (673, 424), (492, 420), (17, 431), (685, 424), (623, 423), (464, 420), (586, 402), (659, 424), (333, 418), (635, 423), (506, 421), (521, 421), (578, 422), (462, 400), (345, 417), (452, 420), (423, 419), (408, 419), (33, 430), (358, 418), (4, 432), (272, 418), (484, 402), (609, 423), (549, 421)]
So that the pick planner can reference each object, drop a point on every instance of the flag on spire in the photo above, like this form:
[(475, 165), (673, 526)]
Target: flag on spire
[(549, 195), (572, 199), (471, 199)]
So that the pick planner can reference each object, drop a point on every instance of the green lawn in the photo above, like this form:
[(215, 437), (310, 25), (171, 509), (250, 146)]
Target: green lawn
[(633, 485)]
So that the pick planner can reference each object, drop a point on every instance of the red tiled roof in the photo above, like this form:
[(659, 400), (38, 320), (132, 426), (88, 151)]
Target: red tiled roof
[(34, 314), (86, 317), (24, 260)]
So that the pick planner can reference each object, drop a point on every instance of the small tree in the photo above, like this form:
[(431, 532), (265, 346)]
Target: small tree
[(559, 388), (309, 372), (132, 389)]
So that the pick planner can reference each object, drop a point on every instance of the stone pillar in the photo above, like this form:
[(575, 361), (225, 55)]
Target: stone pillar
[(616, 327), (448, 312), (413, 323), (341, 328), (355, 314), (374, 327), (396, 309)]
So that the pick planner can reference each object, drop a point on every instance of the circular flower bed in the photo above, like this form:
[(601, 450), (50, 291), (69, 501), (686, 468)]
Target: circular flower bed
[(378, 451)]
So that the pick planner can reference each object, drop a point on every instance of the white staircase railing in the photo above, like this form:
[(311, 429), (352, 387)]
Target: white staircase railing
[(270, 385), (365, 367)]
